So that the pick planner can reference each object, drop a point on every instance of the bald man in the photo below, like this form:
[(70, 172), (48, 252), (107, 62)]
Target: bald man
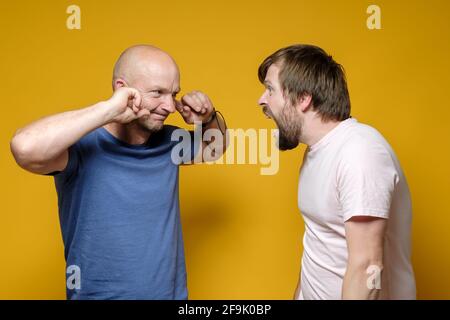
[(117, 185)]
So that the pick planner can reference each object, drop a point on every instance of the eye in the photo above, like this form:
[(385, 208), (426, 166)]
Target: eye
[(270, 89), (156, 93)]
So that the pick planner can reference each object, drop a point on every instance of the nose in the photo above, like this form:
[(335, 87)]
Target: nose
[(169, 104), (262, 100)]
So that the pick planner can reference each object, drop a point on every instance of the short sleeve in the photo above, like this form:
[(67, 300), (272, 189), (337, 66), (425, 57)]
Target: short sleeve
[(72, 164), (366, 181)]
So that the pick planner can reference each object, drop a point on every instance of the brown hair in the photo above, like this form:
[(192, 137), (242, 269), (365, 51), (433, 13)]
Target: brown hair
[(308, 69)]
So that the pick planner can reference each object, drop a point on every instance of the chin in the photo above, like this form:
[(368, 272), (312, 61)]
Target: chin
[(152, 126), (285, 145), (288, 140)]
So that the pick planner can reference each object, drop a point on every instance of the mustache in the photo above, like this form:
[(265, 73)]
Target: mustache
[(160, 113), (266, 110)]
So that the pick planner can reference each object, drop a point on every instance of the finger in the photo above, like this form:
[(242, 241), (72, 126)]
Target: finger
[(136, 97), (206, 103), (130, 102), (202, 101), (186, 111), (189, 101), (178, 106), (202, 97), (187, 114), (199, 101)]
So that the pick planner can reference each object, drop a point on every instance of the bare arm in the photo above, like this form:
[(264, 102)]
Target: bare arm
[(219, 146), (196, 107), (297, 290), (41, 147), (365, 241)]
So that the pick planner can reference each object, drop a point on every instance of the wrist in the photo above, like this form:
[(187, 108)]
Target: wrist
[(105, 111), (210, 120)]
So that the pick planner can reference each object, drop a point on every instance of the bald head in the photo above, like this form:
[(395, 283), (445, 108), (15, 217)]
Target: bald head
[(139, 62), (154, 74)]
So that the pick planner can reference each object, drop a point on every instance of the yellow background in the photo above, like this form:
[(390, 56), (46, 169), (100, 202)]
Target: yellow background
[(242, 230)]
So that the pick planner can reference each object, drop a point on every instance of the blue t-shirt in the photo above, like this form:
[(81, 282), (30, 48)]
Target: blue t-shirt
[(120, 220)]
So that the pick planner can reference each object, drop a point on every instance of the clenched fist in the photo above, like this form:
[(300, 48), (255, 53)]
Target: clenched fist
[(195, 106), (125, 105)]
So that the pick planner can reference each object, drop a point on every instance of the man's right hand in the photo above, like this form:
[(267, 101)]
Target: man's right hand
[(126, 105), (42, 146)]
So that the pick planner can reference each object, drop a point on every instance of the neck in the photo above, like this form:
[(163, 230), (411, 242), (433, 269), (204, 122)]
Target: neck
[(131, 133), (315, 129)]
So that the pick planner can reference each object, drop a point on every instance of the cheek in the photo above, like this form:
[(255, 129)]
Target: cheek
[(276, 103), (149, 103)]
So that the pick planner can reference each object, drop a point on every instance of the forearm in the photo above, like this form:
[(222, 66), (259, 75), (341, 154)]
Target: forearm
[(359, 284), (46, 138), (218, 124)]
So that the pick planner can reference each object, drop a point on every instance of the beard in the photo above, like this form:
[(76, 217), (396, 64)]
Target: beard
[(149, 125), (290, 127)]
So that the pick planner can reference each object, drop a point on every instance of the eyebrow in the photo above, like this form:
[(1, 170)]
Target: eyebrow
[(267, 82), (164, 90)]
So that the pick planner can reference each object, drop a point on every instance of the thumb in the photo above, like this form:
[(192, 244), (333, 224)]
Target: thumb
[(178, 106), (136, 97)]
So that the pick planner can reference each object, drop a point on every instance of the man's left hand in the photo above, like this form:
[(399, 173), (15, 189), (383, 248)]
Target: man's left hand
[(195, 106)]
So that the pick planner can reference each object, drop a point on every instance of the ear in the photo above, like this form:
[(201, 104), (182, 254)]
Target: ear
[(119, 83), (304, 102)]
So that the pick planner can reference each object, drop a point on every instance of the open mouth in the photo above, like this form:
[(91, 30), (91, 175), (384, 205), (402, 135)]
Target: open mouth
[(267, 113)]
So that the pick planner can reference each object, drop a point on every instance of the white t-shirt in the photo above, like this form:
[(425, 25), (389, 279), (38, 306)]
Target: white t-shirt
[(353, 171)]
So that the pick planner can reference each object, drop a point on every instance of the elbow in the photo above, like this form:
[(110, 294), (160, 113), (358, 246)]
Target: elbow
[(364, 264), (23, 151), (19, 150)]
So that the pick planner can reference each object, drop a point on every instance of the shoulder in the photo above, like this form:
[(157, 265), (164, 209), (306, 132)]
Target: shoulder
[(363, 141), (172, 133), (365, 148), (92, 136), (170, 128)]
